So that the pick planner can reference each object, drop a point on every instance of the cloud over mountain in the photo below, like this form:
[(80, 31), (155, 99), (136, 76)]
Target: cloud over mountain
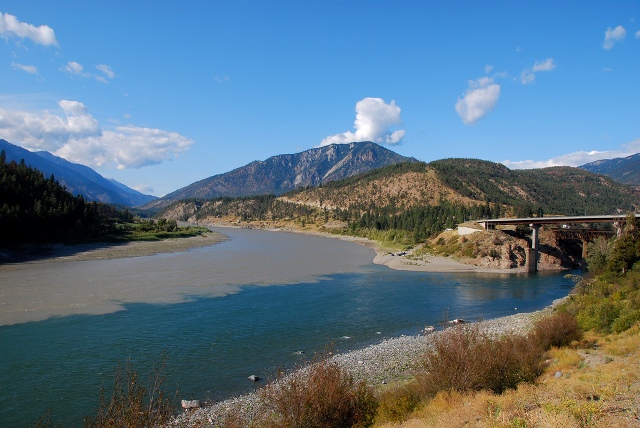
[(374, 122), (77, 137), (577, 158)]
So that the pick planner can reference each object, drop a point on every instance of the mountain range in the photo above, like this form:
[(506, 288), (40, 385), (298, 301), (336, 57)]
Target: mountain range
[(78, 179), (282, 173), (623, 170)]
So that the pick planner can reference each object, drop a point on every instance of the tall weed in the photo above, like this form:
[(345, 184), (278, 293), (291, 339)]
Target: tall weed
[(131, 404), (323, 395)]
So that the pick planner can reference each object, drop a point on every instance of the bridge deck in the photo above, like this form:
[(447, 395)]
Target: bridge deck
[(555, 220)]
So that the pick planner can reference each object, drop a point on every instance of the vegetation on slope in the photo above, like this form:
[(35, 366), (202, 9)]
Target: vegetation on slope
[(35, 209), (561, 190)]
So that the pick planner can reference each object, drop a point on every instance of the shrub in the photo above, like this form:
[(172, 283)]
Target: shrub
[(323, 395), (625, 321), (513, 359), (559, 329), (456, 362), (131, 404), (599, 315), (464, 359)]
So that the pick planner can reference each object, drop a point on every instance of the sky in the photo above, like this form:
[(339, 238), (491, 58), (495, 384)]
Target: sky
[(160, 94)]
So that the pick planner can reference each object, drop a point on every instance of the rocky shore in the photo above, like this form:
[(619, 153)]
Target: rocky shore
[(389, 361)]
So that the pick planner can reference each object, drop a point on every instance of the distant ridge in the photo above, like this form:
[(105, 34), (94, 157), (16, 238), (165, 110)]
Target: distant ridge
[(78, 179), (282, 173), (623, 170)]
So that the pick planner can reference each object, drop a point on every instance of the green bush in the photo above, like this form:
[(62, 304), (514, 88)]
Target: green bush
[(626, 320), (599, 315)]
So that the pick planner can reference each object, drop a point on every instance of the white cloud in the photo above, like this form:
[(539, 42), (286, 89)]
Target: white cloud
[(488, 68), (374, 121), (612, 36), (638, 34), (77, 137), (31, 69), (106, 70), (11, 27), (528, 75), (74, 68), (546, 65), (143, 188), (480, 98), (577, 158)]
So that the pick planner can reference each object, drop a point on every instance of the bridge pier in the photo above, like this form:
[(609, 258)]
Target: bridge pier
[(585, 251), (532, 253)]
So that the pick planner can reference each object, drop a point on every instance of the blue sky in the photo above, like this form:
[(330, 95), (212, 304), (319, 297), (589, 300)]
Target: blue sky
[(159, 94)]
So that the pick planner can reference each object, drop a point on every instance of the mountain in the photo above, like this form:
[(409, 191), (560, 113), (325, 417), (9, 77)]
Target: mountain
[(78, 179), (556, 190), (280, 174), (624, 170)]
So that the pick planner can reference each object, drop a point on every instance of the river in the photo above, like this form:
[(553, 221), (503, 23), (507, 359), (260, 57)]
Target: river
[(255, 303)]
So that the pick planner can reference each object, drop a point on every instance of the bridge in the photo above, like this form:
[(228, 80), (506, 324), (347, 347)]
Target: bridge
[(564, 231)]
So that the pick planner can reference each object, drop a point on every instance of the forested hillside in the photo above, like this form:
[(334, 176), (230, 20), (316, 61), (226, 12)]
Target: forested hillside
[(424, 199), (38, 209)]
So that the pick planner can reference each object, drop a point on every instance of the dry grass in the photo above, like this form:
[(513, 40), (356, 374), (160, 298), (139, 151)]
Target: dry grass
[(594, 387)]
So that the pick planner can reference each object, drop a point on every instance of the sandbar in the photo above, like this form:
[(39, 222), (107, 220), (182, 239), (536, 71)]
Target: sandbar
[(108, 251)]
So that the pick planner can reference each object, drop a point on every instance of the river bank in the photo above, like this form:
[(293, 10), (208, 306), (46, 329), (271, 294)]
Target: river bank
[(397, 260), (106, 250), (390, 361)]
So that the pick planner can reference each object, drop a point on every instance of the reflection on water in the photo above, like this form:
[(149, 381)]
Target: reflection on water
[(335, 295)]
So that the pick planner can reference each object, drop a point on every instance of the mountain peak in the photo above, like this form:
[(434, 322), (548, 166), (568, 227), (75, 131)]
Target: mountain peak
[(282, 173)]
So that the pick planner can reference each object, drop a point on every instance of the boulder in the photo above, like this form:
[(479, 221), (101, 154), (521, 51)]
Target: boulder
[(190, 404)]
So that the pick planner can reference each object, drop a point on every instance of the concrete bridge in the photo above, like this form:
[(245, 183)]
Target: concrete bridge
[(561, 221)]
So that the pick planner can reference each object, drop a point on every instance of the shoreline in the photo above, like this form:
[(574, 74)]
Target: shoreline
[(49, 253), (106, 251), (429, 263), (390, 361)]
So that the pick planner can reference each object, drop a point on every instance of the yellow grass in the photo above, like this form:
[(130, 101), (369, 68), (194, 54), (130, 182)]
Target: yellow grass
[(595, 386)]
